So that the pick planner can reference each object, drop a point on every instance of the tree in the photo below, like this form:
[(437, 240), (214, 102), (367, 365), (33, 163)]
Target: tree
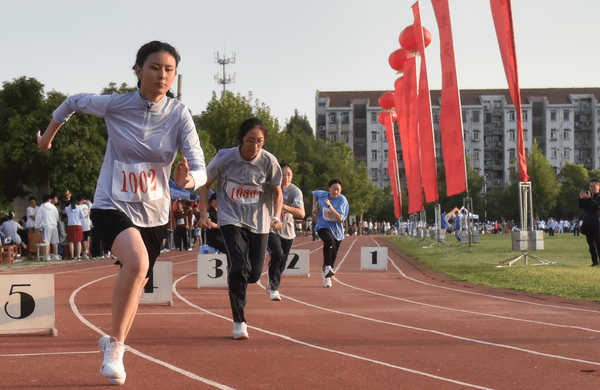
[(544, 184), (298, 125), (223, 117), (573, 178), (77, 151)]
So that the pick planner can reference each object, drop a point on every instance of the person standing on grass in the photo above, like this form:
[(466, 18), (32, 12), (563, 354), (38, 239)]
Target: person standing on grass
[(281, 241), (249, 197), (146, 129), (590, 227), (333, 212)]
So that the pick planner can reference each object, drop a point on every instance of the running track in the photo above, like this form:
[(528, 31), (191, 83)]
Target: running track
[(404, 328)]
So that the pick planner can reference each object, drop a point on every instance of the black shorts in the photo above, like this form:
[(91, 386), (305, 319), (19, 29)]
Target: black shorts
[(110, 223), (86, 234)]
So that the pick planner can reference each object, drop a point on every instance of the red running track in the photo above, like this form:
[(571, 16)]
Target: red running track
[(404, 328)]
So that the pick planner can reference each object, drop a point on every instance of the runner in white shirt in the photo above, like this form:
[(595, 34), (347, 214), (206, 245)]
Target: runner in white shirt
[(248, 191), (146, 128), (281, 241)]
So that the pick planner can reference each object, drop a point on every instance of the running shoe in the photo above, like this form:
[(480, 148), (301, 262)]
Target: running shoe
[(112, 366), (327, 272), (274, 295), (240, 331), (327, 282)]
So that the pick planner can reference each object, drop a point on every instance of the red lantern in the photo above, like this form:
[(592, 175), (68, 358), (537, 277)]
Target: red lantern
[(408, 41), (397, 59), (397, 82), (386, 101)]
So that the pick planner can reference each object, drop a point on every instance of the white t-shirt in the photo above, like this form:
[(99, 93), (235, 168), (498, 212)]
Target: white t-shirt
[(292, 196), (31, 212), (143, 140), (245, 188)]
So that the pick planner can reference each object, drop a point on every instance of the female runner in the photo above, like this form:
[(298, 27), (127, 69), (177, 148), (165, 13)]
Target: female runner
[(249, 198), (334, 210), (146, 128), (281, 241)]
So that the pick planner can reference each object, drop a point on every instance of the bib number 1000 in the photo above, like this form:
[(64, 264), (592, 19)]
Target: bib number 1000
[(144, 183)]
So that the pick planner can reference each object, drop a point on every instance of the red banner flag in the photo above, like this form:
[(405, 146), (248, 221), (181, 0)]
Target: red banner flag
[(392, 161), (426, 139), (503, 21), (450, 111), (407, 107)]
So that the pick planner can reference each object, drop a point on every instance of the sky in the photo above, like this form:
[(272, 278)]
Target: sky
[(287, 51)]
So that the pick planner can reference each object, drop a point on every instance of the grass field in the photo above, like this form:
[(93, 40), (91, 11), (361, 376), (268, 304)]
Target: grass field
[(571, 276)]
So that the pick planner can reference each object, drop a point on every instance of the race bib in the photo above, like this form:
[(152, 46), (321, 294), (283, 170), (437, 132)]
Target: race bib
[(328, 215), (139, 182), (243, 194), (286, 217)]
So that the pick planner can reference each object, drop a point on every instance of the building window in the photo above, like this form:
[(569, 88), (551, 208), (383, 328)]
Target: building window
[(345, 117), (476, 154), (374, 117), (566, 115), (487, 117), (332, 137), (567, 153), (552, 115), (373, 154), (373, 136), (476, 135), (511, 115), (332, 117), (511, 134), (344, 137), (374, 173), (436, 117), (525, 134), (524, 113), (464, 116), (476, 116), (511, 153), (553, 153), (553, 133), (385, 155), (567, 134)]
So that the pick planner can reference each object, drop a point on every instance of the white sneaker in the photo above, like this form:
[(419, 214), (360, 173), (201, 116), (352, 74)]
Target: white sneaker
[(274, 295), (240, 331), (327, 282), (112, 366), (327, 272)]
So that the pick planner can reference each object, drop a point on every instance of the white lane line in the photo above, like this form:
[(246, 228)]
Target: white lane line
[(323, 348), (45, 354), (489, 295), (188, 374)]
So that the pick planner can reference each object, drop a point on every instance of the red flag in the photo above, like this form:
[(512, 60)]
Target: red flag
[(393, 164), (426, 140), (450, 111), (407, 110), (502, 14)]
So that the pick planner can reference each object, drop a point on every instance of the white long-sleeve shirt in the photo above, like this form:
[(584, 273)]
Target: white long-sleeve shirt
[(143, 140)]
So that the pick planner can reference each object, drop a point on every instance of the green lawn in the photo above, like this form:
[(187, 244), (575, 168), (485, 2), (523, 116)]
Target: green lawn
[(571, 276)]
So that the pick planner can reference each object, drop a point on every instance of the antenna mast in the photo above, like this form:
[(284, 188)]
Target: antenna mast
[(225, 78)]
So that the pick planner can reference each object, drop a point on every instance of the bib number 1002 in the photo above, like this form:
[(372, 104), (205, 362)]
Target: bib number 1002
[(144, 183)]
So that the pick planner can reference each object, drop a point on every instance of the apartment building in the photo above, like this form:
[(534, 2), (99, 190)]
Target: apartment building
[(565, 122)]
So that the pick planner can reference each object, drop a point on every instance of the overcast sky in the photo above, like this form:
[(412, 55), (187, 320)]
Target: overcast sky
[(286, 51)]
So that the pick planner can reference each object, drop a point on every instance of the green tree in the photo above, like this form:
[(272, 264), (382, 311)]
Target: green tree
[(573, 178), (112, 88), (223, 117), (544, 183)]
